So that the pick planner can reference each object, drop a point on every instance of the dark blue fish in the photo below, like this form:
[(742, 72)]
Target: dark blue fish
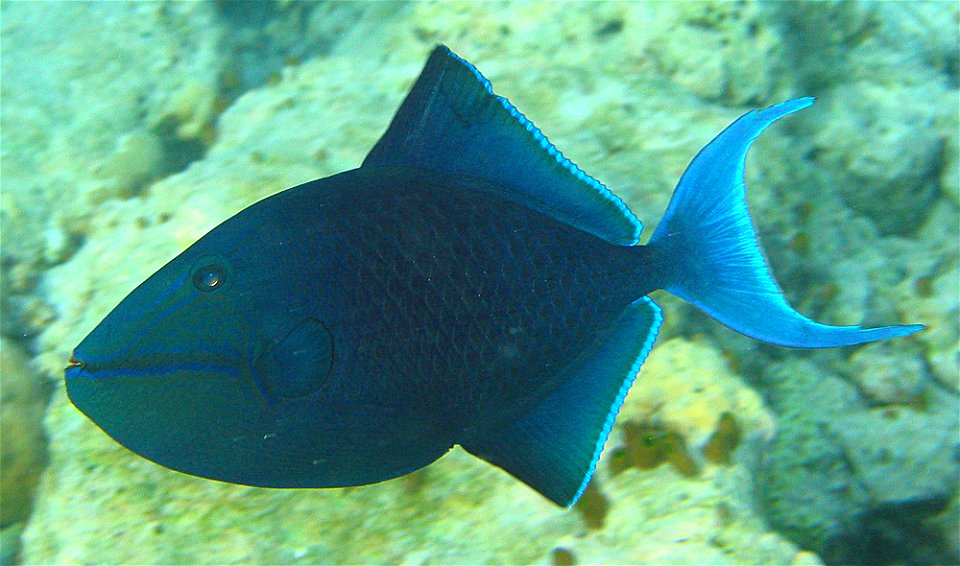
[(466, 285)]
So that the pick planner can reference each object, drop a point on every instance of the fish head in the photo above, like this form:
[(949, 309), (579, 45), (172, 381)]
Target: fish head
[(191, 371)]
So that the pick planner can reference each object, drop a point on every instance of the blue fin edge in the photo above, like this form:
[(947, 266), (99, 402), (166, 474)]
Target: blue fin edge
[(708, 253), (552, 150), (621, 396)]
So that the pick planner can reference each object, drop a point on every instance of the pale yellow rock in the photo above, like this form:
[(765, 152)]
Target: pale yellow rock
[(660, 516), (23, 446), (136, 156), (192, 108), (806, 558), (686, 386)]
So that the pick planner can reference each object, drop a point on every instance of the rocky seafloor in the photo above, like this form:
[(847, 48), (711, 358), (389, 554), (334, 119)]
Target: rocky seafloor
[(130, 129)]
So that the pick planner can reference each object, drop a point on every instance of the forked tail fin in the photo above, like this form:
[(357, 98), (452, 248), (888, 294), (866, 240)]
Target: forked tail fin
[(709, 249)]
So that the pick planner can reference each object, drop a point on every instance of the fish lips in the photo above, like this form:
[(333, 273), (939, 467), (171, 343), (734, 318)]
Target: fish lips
[(78, 379), (197, 424), (99, 393), (75, 367), (164, 415)]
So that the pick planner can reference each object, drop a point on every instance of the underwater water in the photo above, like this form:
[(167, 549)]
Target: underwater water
[(131, 129)]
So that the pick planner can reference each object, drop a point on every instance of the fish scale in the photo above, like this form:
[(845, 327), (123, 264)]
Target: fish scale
[(434, 290)]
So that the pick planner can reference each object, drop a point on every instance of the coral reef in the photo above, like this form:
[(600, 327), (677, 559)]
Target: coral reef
[(123, 97), (836, 457), (23, 447), (451, 500), (22, 405)]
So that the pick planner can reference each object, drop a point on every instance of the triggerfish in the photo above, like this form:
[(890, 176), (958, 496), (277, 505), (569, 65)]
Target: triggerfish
[(467, 284)]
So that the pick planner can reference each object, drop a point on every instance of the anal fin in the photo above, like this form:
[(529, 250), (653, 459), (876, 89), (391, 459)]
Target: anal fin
[(554, 447)]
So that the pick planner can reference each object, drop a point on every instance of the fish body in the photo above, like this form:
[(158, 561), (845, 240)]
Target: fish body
[(466, 285)]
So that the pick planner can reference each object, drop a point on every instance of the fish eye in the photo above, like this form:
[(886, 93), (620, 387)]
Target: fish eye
[(209, 273)]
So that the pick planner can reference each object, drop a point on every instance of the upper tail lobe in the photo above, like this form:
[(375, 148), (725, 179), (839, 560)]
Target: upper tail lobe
[(708, 247)]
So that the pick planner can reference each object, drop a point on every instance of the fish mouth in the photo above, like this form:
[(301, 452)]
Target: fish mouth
[(75, 366), (150, 365)]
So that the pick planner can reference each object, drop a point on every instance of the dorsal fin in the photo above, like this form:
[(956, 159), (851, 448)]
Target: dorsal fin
[(451, 121)]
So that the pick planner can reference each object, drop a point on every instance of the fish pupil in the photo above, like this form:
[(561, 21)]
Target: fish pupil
[(208, 278)]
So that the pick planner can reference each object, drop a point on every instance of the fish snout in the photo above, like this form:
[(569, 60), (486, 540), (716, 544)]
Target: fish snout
[(74, 367)]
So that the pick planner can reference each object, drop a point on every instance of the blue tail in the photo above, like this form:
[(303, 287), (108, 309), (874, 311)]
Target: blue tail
[(709, 247)]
